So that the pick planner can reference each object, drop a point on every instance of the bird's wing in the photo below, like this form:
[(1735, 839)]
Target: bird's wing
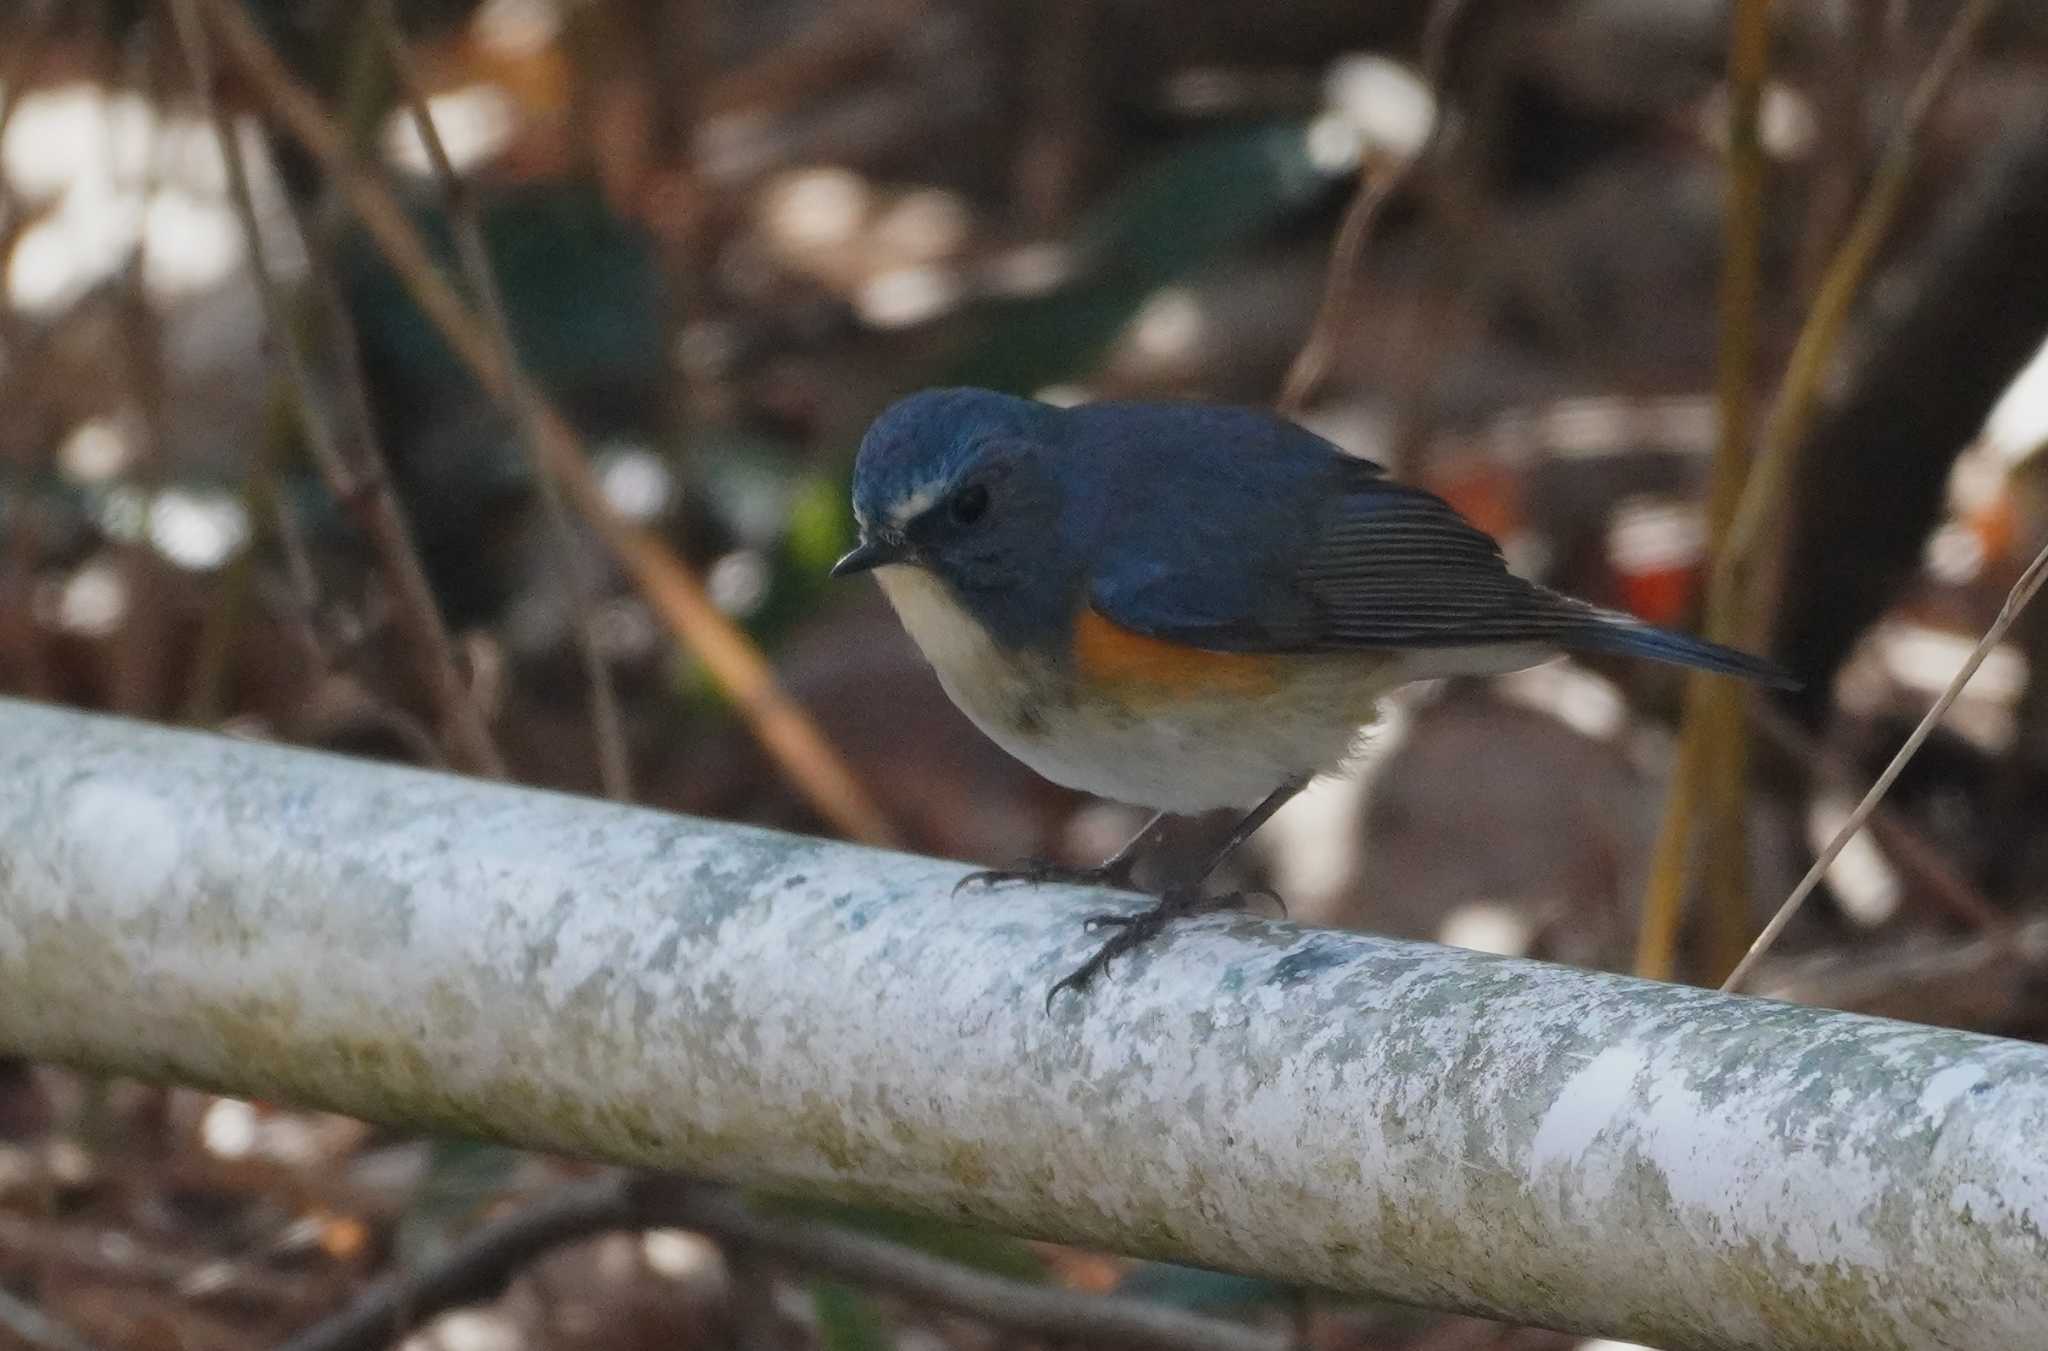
[(1353, 561)]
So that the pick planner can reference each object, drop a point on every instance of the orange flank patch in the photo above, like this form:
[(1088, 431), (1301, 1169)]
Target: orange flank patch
[(1108, 654)]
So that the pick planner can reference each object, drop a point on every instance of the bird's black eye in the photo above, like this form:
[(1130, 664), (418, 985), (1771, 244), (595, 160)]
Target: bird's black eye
[(969, 505)]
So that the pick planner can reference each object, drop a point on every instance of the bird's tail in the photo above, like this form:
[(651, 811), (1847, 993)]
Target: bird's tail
[(1608, 631)]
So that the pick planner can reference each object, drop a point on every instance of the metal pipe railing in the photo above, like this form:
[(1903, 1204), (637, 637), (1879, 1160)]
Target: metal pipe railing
[(1532, 1142)]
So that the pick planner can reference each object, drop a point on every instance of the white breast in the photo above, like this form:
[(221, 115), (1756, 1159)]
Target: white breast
[(994, 689)]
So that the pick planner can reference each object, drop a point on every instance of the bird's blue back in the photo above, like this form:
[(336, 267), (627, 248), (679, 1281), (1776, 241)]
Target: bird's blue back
[(1195, 518)]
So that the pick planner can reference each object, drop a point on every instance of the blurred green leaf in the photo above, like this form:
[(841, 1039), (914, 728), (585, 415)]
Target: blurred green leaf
[(1168, 220), (1200, 1288), (461, 1176), (982, 1249), (582, 294), (847, 1319), (819, 528)]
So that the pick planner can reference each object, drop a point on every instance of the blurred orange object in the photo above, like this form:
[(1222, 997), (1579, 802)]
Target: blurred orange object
[(1657, 548)]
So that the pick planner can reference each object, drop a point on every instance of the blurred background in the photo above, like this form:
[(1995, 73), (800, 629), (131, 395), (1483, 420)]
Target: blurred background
[(262, 491)]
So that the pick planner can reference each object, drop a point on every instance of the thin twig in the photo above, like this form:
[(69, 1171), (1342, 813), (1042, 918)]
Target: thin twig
[(359, 482), (784, 728), (1932, 870), (1312, 363), (1712, 767), (1854, 65), (579, 594), (1044, 1312), (481, 1266), (2016, 601), (1987, 982)]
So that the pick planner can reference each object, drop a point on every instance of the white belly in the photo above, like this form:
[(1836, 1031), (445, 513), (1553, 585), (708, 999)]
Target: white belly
[(1200, 755), (1185, 757)]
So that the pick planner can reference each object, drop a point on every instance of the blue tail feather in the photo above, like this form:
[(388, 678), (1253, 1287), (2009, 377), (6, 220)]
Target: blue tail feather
[(1631, 637)]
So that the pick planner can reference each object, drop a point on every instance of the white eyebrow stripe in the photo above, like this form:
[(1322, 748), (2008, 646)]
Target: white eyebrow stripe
[(915, 505)]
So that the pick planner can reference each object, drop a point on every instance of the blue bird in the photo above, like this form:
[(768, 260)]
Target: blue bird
[(1186, 606)]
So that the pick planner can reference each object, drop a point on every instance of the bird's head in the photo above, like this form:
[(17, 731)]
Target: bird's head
[(964, 484)]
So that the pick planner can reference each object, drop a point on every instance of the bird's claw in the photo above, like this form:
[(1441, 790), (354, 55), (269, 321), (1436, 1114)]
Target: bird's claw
[(1135, 930), (1078, 979)]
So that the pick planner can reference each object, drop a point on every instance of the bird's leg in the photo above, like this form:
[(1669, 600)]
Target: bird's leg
[(1114, 871), (1182, 898)]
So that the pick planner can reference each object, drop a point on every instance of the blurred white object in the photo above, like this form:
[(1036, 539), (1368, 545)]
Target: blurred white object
[(2017, 427), (97, 451), (228, 1130), (681, 1256), (1488, 926), (60, 135), (636, 481), (905, 296), (516, 28), (198, 530), (1954, 554), (1864, 883), (91, 602), (1316, 843), (190, 244), (1169, 325), (923, 225), (113, 175), (66, 253), (1335, 145), (1924, 660), (1654, 534), (815, 208), (1589, 704), (469, 1330), (1388, 104), (1786, 123), (475, 124)]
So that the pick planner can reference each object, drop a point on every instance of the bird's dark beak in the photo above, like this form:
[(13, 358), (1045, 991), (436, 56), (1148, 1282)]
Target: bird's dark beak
[(873, 553)]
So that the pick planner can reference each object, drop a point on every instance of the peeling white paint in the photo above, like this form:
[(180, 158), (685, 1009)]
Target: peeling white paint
[(1589, 1103), (124, 843), (1946, 1087)]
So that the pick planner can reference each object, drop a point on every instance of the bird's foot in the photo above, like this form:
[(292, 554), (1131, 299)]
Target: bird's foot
[(1115, 874), (1135, 930)]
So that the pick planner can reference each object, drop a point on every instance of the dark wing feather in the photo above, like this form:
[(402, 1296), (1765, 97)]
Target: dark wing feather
[(1341, 558), (1283, 544), (1316, 552), (1396, 566)]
